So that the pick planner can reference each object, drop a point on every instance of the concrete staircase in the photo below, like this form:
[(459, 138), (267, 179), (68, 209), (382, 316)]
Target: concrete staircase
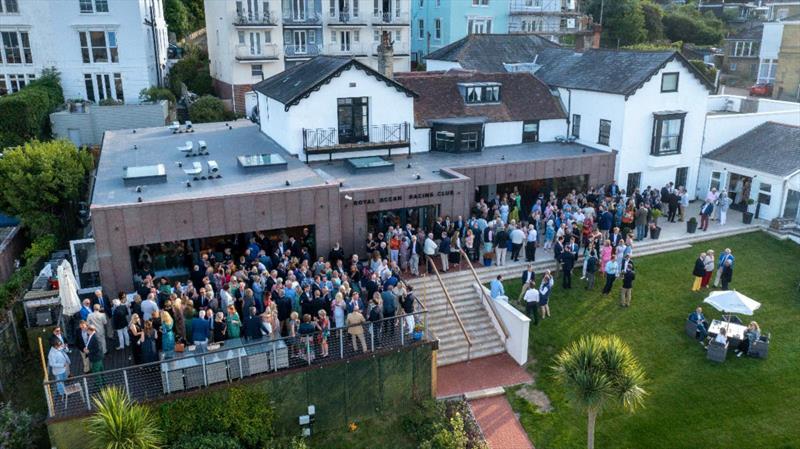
[(486, 340)]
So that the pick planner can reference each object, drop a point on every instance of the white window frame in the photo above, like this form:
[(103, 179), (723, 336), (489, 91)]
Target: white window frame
[(480, 3), (421, 26), (4, 8), (104, 85), (93, 6), (107, 36), (437, 29), (25, 53), (479, 25)]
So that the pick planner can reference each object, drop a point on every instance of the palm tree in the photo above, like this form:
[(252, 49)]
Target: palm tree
[(600, 371), (122, 424)]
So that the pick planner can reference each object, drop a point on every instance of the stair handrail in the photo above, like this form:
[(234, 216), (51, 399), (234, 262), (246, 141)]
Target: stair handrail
[(452, 307), (484, 295)]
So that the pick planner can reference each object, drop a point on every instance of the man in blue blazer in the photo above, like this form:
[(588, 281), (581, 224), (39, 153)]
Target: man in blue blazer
[(702, 325)]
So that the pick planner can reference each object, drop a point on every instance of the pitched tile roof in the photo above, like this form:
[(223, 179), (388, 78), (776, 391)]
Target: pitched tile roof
[(612, 71), (522, 97), (488, 52), (771, 147), (296, 83)]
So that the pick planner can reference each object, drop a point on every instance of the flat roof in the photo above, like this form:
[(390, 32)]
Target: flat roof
[(429, 165), (160, 146)]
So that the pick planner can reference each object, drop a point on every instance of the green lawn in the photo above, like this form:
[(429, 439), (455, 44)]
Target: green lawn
[(692, 402)]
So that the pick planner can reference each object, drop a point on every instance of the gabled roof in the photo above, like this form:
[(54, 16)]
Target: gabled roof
[(488, 52), (522, 97), (296, 83), (620, 72), (771, 147)]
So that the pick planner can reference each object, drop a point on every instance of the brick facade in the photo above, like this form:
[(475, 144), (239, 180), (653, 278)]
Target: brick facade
[(234, 93)]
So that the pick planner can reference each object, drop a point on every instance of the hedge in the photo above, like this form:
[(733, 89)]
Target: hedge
[(26, 114), (38, 252)]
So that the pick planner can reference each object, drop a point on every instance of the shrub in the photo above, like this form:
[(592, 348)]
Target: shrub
[(451, 436), (207, 441), (241, 411), (110, 102), (192, 71), (120, 423), (709, 72), (39, 250), (15, 428), (25, 114), (208, 109), (154, 94)]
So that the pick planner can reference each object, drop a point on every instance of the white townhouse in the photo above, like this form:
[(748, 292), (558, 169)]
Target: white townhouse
[(335, 106), (649, 107), (252, 40), (104, 49)]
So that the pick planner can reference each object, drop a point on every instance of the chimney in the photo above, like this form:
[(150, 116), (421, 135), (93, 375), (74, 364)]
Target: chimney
[(386, 56), (596, 31)]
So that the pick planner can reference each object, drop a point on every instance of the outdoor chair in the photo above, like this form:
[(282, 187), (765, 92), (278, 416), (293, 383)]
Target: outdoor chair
[(691, 329), (716, 352), (71, 389), (760, 347)]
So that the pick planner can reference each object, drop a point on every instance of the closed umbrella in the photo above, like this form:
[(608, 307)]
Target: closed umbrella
[(68, 290)]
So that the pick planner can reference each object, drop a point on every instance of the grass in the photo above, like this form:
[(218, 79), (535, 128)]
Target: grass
[(692, 402)]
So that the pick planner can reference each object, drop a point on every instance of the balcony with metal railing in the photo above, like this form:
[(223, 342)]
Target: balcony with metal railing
[(262, 52), (543, 7), (302, 19), (301, 50), (256, 19), (348, 48), (346, 17), (390, 17), (346, 139), (233, 360)]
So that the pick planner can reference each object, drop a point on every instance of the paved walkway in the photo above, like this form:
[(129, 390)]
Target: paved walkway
[(480, 374), (499, 424)]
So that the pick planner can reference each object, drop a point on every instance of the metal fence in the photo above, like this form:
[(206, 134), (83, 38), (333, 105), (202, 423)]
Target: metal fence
[(235, 359)]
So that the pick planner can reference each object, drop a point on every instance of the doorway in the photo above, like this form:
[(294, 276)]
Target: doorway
[(353, 114), (421, 217), (792, 208), (739, 187)]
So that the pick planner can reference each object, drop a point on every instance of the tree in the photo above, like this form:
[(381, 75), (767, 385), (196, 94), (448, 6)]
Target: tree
[(599, 372), (689, 25), (208, 109), (622, 21), (154, 94), (15, 428), (192, 71), (41, 183), (122, 424), (177, 17), (653, 15)]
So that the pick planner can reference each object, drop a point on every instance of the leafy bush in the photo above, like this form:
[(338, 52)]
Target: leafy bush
[(451, 436), (709, 72), (154, 94), (120, 423), (41, 182), (242, 411), (39, 250), (111, 102), (207, 441), (688, 25), (15, 428), (26, 114), (192, 71), (208, 109)]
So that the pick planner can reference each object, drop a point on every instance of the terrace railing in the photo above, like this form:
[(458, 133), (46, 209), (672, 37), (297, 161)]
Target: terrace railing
[(232, 362)]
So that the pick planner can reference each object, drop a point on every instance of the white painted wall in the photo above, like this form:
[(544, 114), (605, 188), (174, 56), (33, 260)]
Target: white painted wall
[(502, 133), (635, 155), (386, 106), (53, 28), (517, 324), (549, 129), (766, 105), (730, 103), (778, 191), (771, 40), (432, 65), (721, 129)]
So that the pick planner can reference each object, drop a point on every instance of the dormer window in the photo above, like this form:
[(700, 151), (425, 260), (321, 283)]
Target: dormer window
[(476, 93)]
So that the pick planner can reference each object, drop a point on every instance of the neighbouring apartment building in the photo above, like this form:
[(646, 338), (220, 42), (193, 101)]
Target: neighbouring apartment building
[(741, 52), (252, 40), (104, 49), (438, 23)]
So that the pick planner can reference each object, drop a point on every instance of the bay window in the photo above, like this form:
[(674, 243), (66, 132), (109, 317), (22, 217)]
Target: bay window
[(667, 134)]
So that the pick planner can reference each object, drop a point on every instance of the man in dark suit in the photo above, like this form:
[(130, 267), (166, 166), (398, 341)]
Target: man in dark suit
[(567, 264), (94, 351), (103, 301), (702, 325), (528, 276), (615, 237), (558, 251)]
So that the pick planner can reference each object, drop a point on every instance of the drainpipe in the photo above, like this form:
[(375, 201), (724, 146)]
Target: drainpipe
[(569, 111)]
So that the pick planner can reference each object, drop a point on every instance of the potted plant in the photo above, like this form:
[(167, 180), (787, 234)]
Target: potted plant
[(656, 214), (487, 258), (747, 216), (691, 225), (76, 105), (655, 231), (419, 328)]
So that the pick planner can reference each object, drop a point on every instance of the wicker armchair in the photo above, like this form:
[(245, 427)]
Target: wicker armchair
[(690, 328), (760, 347), (716, 352)]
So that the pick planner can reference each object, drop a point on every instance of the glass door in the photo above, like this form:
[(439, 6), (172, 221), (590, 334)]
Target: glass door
[(255, 44), (300, 47), (344, 41), (353, 114), (792, 209), (299, 10)]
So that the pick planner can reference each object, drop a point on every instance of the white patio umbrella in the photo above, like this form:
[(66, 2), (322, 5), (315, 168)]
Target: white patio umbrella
[(68, 290), (732, 301)]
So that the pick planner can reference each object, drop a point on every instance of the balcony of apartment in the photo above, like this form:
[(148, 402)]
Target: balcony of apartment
[(301, 50), (346, 17), (263, 52), (543, 8), (349, 48), (302, 19), (252, 19), (390, 18), (400, 48), (346, 139)]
